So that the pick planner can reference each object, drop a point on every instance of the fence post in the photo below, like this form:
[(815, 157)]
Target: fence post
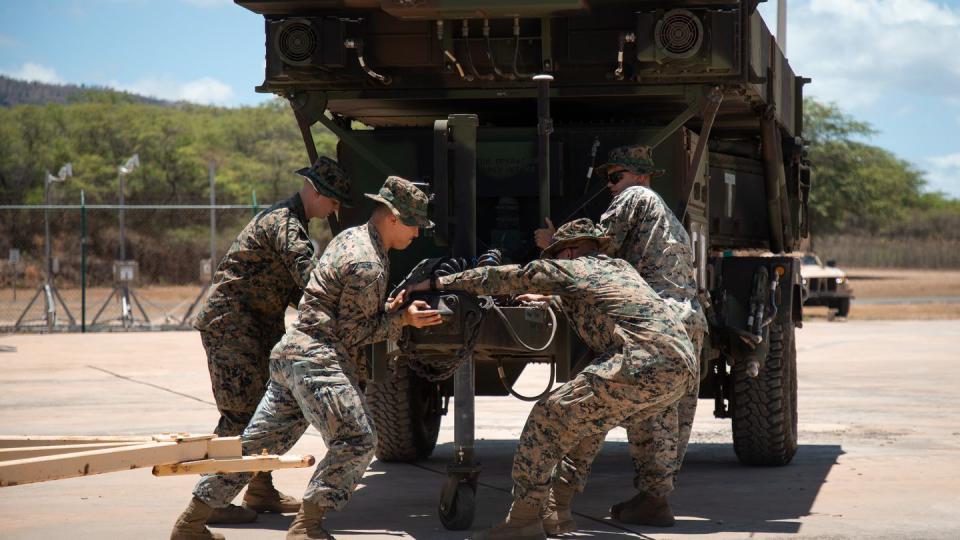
[(83, 263), (254, 205), (213, 218)]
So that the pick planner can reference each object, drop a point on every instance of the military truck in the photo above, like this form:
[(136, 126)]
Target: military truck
[(825, 285), (502, 110)]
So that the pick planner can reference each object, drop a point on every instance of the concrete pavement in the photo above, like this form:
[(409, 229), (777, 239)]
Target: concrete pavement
[(879, 449)]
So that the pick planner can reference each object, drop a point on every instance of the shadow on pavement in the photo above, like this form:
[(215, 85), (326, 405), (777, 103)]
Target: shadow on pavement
[(715, 494)]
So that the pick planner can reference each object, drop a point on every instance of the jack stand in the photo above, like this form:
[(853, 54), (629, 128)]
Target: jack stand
[(458, 499), (51, 296)]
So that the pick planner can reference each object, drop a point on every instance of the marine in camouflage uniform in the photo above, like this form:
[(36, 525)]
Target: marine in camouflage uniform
[(262, 273), (313, 368), (645, 233), (644, 363)]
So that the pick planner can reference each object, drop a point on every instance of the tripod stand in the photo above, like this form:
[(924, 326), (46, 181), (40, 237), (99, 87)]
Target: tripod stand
[(51, 296), (125, 273), (49, 291)]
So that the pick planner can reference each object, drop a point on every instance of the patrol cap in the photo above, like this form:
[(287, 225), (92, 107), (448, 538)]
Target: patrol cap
[(326, 176), (573, 232), (405, 200), (637, 159)]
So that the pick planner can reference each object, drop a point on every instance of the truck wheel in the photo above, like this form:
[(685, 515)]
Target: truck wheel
[(406, 412), (765, 407), (843, 307)]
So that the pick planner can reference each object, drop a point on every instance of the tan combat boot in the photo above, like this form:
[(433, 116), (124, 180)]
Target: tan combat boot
[(232, 514), (522, 523), (191, 525), (557, 517), (308, 525), (644, 509), (261, 496)]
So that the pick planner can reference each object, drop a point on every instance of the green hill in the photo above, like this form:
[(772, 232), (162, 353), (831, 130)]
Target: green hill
[(16, 92)]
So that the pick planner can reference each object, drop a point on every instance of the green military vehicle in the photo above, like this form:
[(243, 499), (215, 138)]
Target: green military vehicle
[(502, 109)]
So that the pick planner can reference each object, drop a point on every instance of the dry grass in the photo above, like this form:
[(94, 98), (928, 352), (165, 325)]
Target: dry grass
[(900, 282), (918, 289), (886, 252)]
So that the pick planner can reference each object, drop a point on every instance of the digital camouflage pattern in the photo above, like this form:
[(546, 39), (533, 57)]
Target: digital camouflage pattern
[(657, 444), (342, 305), (238, 356), (326, 176), (265, 268), (585, 409), (638, 159), (644, 232), (572, 232), (609, 305), (241, 319), (299, 394), (645, 361), (405, 200), (314, 371)]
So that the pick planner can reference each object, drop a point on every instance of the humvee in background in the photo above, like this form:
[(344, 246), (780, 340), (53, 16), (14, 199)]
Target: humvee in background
[(502, 110), (825, 284)]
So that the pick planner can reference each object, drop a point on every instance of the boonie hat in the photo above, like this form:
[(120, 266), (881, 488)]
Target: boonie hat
[(637, 159), (574, 231), (326, 176), (405, 200)]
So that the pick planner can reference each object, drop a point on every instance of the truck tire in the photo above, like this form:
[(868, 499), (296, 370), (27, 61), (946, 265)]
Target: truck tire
[(843, 307), (406, 412), (765, 407)]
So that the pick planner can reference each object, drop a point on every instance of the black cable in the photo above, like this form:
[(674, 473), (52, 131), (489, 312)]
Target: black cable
[(490, 58), (516, 50)]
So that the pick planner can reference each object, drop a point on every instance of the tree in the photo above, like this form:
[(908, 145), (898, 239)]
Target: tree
[(856, 186)]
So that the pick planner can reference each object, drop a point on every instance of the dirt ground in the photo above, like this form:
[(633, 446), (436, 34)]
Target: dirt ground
[(899, 294), (898, 283), (879, 453)]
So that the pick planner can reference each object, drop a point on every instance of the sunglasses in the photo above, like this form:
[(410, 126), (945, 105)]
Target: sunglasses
[(616, 177)]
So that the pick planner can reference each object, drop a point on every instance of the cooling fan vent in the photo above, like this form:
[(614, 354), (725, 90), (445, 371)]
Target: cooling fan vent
[(679, 34), (297, 41)]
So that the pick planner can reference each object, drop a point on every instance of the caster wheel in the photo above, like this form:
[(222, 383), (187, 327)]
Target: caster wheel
[(458, 514)]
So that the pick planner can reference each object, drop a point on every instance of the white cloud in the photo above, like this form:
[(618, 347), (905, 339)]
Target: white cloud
[(6, 41), (857, 51), (205, 90), (943, 174), (30, 71)]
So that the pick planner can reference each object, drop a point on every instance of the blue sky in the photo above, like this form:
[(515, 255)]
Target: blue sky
[(893, 63)]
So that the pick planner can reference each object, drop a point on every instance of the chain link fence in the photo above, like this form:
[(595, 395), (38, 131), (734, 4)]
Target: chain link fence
[(62, 267)]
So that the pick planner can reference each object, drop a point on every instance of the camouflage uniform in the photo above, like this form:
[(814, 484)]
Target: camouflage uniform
[(645, 361), (313, 369), (262, 273), (645, 233)]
